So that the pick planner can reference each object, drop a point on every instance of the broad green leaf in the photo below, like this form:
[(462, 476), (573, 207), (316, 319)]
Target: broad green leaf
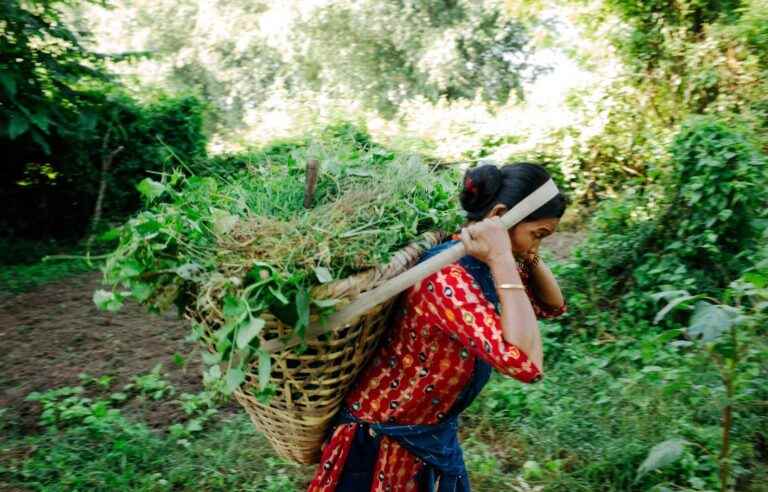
[(280, 296), (110, 235), (234, 308), (669, 307), (757, 279), (709, 321), (235, 378), (130, 268), (325, 303), (211, 358), (8, 83), (141, 291), (265, 368), (108, 301), (194, 425), (17, 125), (150, 188), (249, 331), (323, 275), (223, 221), (41, 121), (223, 344), (149, 228), (661, 455), (302, 309)]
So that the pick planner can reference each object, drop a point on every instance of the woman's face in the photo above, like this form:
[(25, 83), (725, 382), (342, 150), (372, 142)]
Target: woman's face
[(526, 236)]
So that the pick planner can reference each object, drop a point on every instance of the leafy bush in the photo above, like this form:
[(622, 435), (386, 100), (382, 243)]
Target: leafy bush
[(699, 228), (64, 120)]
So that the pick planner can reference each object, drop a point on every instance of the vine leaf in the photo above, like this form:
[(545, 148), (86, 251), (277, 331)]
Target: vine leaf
[(235, 378), (323, 275), (150, 188), (265, 367), (107, 300), (249, 332), (17, 125)]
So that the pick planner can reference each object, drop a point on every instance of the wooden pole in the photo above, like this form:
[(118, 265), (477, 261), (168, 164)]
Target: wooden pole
[(313, 169)]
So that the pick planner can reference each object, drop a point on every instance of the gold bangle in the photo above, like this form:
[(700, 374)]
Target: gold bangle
[(511, 286)]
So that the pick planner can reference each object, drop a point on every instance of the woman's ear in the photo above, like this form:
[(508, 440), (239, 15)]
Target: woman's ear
[(497, 211)]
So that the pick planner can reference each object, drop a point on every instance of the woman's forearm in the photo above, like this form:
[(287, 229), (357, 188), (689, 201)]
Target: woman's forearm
[(519, 324), (545, 285)]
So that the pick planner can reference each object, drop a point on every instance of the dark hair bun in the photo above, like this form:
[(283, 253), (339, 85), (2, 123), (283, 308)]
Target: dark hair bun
[(481, 184)]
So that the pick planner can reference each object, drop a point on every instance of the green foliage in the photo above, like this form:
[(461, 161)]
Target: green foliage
[(41, 61), (403, 49), (24, 277), (89, 444), (699, 227), (151, 384), (732, 333), (229, 456), (66, 125), (645, 43)]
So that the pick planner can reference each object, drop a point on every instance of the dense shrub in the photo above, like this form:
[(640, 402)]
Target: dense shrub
[(61, 115), (699, 228)]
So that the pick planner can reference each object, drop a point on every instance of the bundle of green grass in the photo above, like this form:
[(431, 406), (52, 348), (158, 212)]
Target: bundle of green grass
[(238, 243)]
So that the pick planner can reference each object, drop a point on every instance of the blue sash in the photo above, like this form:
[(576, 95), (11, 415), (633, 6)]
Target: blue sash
[(435, 444)]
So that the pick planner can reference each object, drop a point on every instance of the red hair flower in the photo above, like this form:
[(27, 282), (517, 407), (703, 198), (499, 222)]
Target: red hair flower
[(469, 185)]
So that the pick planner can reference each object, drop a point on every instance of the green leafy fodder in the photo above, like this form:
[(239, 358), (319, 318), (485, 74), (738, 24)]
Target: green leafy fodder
[(231, 246)]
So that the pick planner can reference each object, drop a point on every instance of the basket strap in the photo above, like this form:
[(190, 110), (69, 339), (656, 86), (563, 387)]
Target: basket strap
[(368, 300)]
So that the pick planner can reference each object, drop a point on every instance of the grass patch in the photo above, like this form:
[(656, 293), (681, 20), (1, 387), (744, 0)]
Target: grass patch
[(22, 267), (229, 456)]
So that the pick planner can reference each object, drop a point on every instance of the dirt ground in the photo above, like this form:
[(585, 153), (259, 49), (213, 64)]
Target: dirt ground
[(54, 333)]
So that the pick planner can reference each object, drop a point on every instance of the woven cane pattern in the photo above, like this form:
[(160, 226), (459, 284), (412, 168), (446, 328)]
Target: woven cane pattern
[(312, 385)]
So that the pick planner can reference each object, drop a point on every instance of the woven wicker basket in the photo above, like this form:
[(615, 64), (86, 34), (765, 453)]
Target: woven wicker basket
[(311, 386)]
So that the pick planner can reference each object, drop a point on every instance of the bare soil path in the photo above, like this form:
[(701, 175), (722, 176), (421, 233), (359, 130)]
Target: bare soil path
[(54, 333)]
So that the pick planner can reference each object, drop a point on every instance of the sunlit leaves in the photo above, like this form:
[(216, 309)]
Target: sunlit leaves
[(108, 301), (249, 331), (150, 189)]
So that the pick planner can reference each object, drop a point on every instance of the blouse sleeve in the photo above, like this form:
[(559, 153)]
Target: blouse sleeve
[(542, 310), (451, 300)]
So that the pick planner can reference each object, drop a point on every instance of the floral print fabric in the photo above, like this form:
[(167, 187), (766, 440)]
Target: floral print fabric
[(420, 369)]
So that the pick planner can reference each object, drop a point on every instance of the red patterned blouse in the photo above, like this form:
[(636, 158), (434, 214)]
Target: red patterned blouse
[(419, 371)]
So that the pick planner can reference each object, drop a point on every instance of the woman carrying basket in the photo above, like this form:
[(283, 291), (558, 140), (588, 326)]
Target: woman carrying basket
[(398, 428)]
